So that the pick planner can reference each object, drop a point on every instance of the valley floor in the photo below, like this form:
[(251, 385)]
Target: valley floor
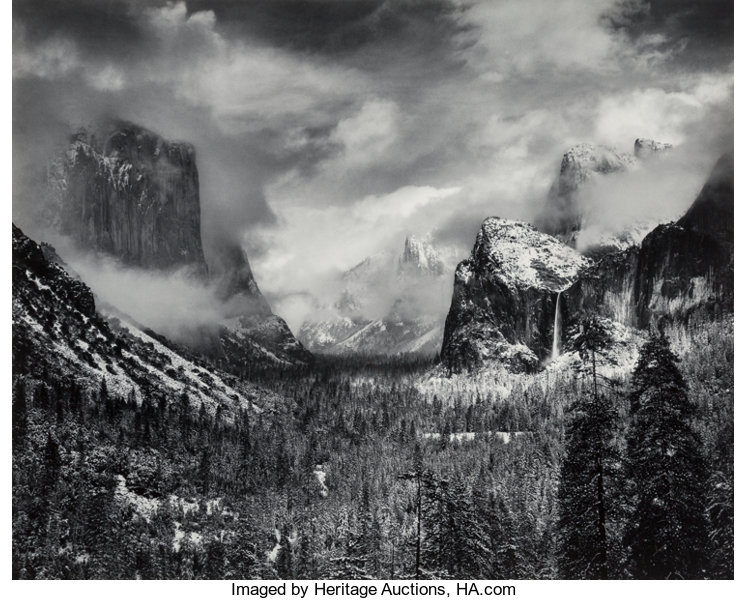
[(330, 480)]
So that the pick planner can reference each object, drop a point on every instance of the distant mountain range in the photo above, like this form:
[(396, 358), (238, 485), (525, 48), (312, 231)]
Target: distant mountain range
[(125, 192), (391, 303)]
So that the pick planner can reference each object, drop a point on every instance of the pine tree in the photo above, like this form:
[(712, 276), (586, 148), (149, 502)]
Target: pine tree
[(502, 532), (417, 474), (19, 413), (588, 513), (204, 471), (52, 462), (667, 529), (588, 507)]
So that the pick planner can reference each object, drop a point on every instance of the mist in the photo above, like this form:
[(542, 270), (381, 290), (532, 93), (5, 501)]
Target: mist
[(658, 189), (176, 304), (322, 142)]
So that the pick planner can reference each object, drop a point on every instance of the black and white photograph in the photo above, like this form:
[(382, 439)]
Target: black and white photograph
[(415, 291)]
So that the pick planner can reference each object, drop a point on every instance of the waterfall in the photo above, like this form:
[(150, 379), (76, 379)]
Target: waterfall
[(556, 341)]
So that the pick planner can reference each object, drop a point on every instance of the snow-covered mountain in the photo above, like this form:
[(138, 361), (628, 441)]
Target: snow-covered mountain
[(505, 297), (522, 292), (575, 214), (126, 192), (58, 333), (390, 303)]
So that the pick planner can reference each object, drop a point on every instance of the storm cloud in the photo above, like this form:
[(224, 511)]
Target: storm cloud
[(327, 130)]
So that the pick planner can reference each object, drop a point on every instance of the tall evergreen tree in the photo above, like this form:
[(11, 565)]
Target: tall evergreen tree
[(19, 413), (588, 514), (667, 529), (52, 462), (588, 506)]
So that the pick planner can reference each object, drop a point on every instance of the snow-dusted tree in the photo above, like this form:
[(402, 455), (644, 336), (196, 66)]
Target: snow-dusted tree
[(588, 496), (721, 506), (455, 540), (667, 529)]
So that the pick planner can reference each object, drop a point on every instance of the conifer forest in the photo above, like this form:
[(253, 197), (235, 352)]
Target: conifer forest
[(362, 475), (373, 290)]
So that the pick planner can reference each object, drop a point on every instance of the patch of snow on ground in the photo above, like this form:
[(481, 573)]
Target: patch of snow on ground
[(469, 436), (144, 507), (321, 478), (272, 555)]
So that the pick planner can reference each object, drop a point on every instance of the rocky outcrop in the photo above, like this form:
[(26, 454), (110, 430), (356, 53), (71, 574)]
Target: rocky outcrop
[(234, 281), (129, 193), (521, 288), (678, 268), (419, 255), (645, 148), (564, 215), (505, 297), (132, 194), (30, 262), (712, 213), (690, 264), (577, 217), (607, 287)]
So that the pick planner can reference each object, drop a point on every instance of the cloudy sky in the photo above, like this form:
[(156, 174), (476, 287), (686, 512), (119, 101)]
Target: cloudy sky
[(328, 129)]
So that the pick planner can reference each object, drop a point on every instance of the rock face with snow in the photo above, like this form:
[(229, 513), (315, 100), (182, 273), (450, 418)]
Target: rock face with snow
[(505, 297), (421, 256), (406, 324), (58, 331), (517, 280), (564, 216), (129, 193), (644, 148), (678, 268)]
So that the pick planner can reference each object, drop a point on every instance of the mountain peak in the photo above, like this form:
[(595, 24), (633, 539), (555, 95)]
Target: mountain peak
[(420, 254), (712, 213), (522, 257), (581, 161), (644, 148)]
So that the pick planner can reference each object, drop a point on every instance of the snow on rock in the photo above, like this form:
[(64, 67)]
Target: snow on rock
[(420, 254), (575, 212), (644, 148), (204, 386), (520, 256), (505, 297)]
